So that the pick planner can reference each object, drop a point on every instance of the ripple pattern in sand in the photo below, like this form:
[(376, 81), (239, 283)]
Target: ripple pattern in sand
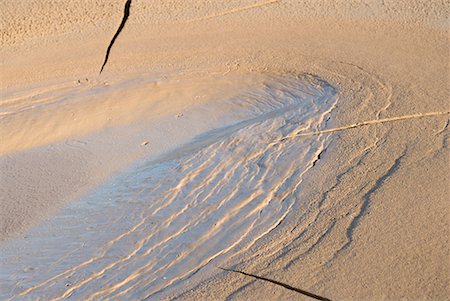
[(159, 224)]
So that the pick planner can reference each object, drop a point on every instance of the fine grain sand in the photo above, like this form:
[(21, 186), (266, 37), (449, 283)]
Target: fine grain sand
[(305, 142)]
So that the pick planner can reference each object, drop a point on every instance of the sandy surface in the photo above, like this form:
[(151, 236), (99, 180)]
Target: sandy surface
[(346, 198)]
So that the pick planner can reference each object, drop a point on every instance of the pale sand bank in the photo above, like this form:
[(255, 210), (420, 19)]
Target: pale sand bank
[(372, 218)]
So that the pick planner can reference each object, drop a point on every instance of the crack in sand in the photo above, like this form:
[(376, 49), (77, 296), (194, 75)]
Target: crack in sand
[(126, 14), (235, 10), (287, 286)]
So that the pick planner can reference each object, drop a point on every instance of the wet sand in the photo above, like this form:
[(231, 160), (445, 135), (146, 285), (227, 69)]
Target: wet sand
[(302, 142)]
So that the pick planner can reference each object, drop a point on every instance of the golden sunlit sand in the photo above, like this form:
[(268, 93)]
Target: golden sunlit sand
[(224, 150)]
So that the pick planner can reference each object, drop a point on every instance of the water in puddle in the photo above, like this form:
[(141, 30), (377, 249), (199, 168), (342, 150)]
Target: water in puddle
[(178, 216)]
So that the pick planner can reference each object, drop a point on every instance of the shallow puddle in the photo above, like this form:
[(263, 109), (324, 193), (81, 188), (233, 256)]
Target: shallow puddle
[(180, 215)]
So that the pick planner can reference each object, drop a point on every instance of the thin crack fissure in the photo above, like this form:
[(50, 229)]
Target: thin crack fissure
[(126, 14), (287, 286)]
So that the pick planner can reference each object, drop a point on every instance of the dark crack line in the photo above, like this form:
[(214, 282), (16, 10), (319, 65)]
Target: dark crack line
[(126, 13), (287, 286)]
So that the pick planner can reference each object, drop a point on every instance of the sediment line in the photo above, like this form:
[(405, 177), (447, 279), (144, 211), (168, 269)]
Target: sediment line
[(235, 10), (367, 201), (287, 286), (126, 14), (369, 122)]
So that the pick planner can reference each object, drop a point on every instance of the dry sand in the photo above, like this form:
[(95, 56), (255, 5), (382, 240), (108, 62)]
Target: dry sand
[(369, 217)]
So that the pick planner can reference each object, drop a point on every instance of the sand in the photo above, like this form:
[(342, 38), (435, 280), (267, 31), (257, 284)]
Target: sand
[(352, 201)]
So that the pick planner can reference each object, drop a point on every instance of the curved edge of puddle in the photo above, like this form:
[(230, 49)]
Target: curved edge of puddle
[(176, 216)]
